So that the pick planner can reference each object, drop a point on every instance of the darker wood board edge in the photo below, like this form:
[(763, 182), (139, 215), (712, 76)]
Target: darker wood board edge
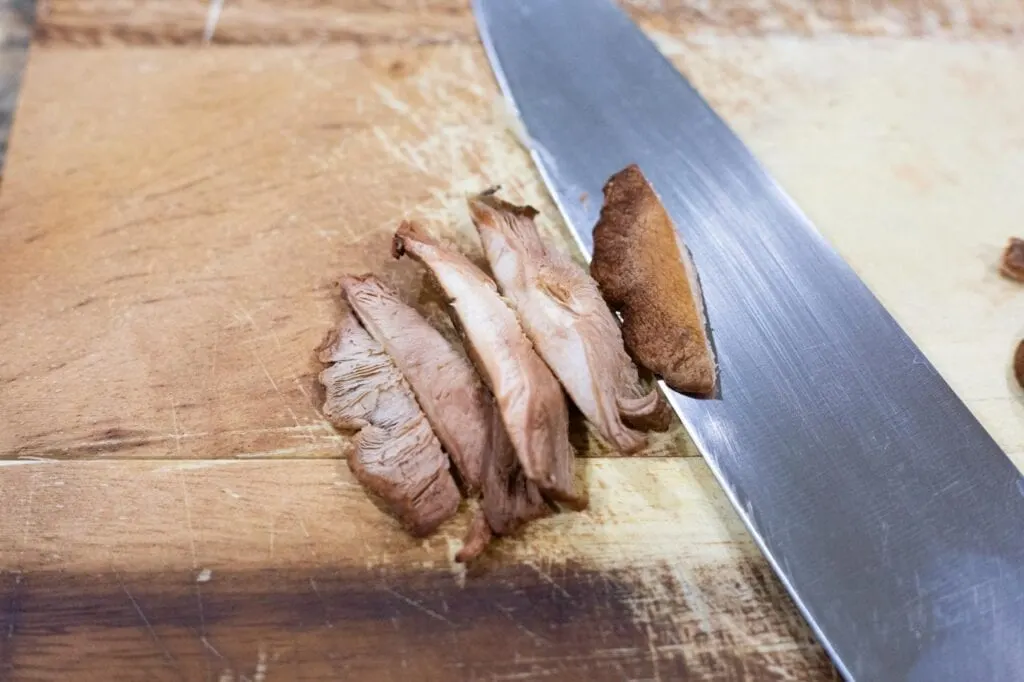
[(99, 23), (553, 623)]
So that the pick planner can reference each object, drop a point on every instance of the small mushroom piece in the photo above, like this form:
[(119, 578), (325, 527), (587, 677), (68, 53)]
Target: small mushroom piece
[(1012, 265)]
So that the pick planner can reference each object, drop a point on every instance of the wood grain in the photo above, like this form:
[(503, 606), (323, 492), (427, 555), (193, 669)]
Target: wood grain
[(199, 234), (175, 570), (374, 22), (168, 303), (172, 222)]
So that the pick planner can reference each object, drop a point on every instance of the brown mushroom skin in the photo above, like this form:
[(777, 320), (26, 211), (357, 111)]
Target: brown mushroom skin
[(1018, 363), (645, 273), (1012, 265)]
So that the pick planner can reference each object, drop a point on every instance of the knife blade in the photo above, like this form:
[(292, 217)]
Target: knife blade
[(892, 517)]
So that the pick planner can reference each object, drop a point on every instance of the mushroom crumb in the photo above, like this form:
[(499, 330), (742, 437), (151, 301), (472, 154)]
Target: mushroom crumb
[(1012, 265)]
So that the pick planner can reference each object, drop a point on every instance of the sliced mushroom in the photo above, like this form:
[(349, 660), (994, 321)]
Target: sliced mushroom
[(459, 407), (530, 400), (448, 389), (569, 323), (395, 455), (645, 272)]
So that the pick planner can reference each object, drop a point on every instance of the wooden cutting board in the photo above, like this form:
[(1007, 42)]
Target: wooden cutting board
[(173, 215)]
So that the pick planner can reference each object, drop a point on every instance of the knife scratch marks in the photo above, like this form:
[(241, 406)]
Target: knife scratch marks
[(653, 611), (259, 673), (690, 620), (450, 132), (168, 656), (307, 426), (391, 101), (212, 18)]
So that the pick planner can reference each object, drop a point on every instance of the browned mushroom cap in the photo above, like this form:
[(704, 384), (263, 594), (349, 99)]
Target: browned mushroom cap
[(645, 272)]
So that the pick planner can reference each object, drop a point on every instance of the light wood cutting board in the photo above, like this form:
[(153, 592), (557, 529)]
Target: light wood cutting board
[(173, 215)]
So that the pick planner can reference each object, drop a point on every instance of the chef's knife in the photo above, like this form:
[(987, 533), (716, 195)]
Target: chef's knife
[(892, 517)]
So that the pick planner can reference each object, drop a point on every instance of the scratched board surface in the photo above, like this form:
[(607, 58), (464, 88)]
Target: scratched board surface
[(186, 180)]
